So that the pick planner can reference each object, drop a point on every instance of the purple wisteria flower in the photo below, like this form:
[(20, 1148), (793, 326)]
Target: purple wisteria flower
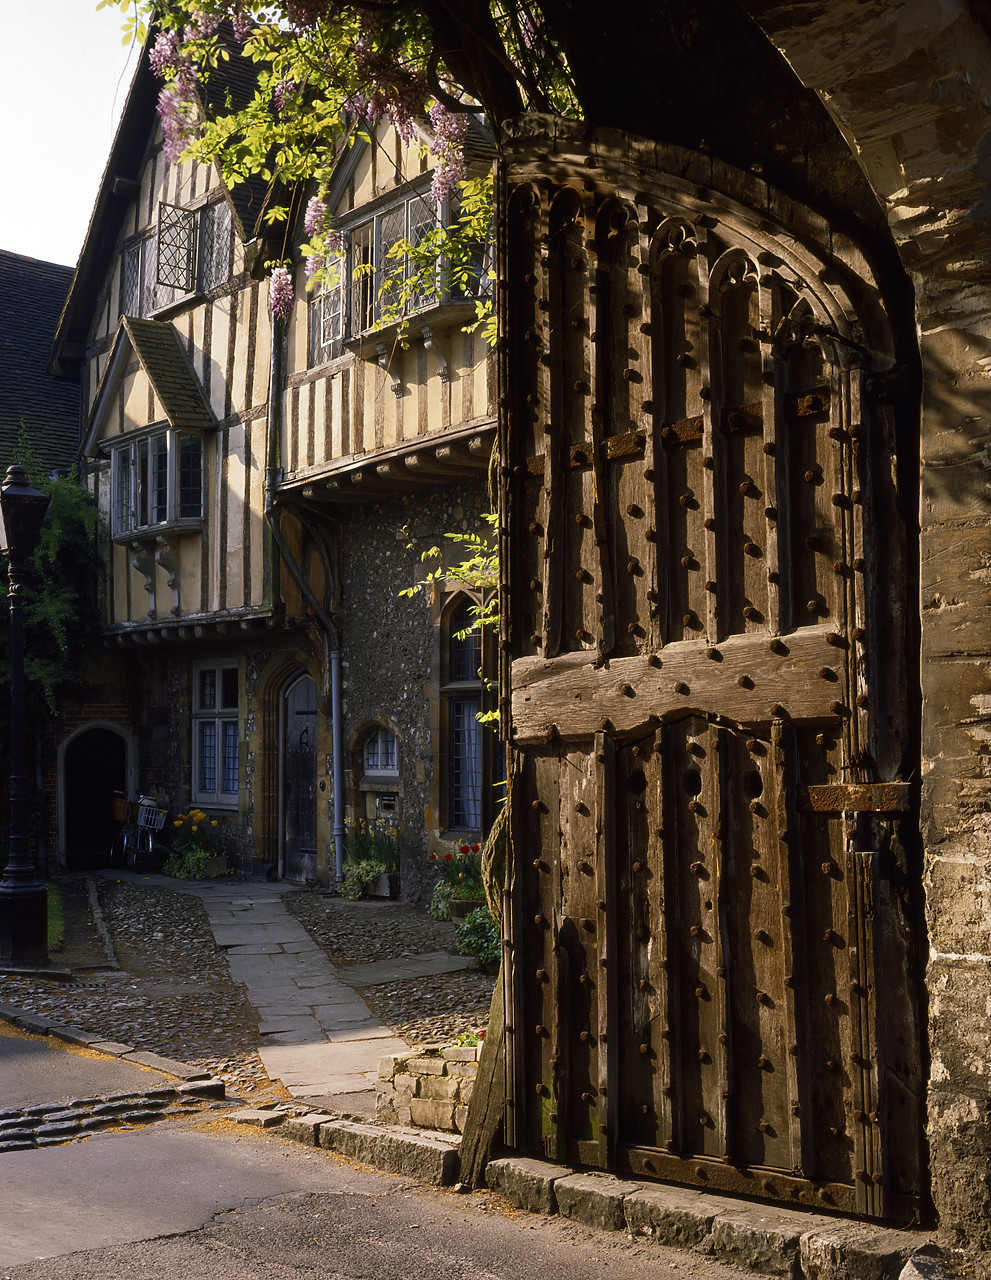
[(314, 265), (450, 133), (316, 212), (280, 292), (177, 126), (202, 26), (282, 93), (164, 52), (243, 24)]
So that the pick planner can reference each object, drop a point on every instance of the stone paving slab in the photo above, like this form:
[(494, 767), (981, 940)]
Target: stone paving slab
[(425, 965), (316, 1033), (305, 1064)]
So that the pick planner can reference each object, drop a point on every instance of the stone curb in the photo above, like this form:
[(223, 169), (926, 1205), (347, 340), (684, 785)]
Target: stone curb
[(413, 1154), (760, 1237), (101, 925)]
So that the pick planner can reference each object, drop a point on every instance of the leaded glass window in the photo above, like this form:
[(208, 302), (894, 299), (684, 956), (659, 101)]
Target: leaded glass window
[(157, 480), (465, 758), (216, 733)]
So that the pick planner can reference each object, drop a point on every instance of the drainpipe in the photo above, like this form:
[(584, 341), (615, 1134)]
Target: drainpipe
[(332, 632)]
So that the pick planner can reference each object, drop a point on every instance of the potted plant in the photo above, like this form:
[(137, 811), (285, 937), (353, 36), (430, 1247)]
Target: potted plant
[(372, 853), (197, 851), (460, 879), (478, 936)]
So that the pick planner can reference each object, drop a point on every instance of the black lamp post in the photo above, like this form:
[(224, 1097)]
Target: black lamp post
[(23, 898)]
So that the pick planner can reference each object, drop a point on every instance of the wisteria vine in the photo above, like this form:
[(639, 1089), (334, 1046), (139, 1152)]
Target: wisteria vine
[(324, 70)]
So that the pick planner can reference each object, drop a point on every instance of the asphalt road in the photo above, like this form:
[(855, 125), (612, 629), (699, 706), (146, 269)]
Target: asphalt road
[(214, 1201)]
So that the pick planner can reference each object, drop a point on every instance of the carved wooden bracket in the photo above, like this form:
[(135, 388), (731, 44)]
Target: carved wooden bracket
[(384, 363), (144, 562), (430, 345), (167, 557)]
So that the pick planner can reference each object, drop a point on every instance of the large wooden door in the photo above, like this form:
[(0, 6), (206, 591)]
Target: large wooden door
[(299, 780), (711, 963)]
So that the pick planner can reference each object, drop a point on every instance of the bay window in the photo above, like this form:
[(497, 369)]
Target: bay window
[(157, 480)]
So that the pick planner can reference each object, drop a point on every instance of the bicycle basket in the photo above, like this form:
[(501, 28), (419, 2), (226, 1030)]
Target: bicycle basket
[(149, 815)]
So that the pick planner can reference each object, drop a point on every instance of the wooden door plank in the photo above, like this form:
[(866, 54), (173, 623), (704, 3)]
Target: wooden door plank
[(773, 424), (868, 1169), (792, 913), (606, 933), (715, 1021), (713, 560), (743, 683)]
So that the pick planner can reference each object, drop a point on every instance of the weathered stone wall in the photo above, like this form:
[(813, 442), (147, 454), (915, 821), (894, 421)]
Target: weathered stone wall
[(391, 650), (429, 1089)]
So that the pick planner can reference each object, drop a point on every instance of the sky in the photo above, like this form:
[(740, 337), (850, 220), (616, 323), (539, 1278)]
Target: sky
[(64, 76)]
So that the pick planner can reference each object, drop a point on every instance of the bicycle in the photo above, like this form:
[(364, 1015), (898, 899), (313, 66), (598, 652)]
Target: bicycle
[(139, 820)]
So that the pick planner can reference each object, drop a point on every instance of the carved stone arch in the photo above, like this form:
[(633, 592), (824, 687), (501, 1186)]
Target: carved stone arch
[(92, 761)]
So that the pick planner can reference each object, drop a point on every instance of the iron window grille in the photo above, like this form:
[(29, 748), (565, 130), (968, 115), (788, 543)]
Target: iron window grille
[(156, 482), (216, 733)]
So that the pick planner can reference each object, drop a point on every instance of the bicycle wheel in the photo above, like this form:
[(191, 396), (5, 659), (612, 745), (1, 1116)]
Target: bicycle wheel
[(119, 848), (143, 847)]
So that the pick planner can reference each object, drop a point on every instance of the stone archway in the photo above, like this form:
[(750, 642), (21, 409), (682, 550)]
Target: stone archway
[(94, 762), (840, 100)]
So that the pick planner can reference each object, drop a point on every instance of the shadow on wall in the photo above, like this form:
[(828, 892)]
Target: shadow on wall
[(956, 443)]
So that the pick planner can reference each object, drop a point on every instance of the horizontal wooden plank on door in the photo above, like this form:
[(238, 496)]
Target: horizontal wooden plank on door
[(748, 679)]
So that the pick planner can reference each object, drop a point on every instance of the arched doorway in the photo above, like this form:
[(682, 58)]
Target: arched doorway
[(299, 779), (94, 766)]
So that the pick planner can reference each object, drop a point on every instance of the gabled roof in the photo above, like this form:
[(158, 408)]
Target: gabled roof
[(32, 294), (123, 169), (161, 354)]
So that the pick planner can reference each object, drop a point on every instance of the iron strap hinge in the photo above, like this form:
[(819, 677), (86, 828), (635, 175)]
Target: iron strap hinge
[(857, 797)]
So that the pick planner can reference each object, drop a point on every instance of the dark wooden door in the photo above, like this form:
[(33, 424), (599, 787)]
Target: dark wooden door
[(300, 780), (712, 968)]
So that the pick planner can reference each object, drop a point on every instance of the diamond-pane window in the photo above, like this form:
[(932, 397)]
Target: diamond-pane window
[(176, 248), (130, 281), (215, 244)]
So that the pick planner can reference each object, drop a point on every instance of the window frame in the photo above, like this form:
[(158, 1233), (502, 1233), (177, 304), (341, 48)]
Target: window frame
[(210, 267), (362, 231), (463, 813), (144, 498), (328, 305), (220, 717), (380, 731)]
